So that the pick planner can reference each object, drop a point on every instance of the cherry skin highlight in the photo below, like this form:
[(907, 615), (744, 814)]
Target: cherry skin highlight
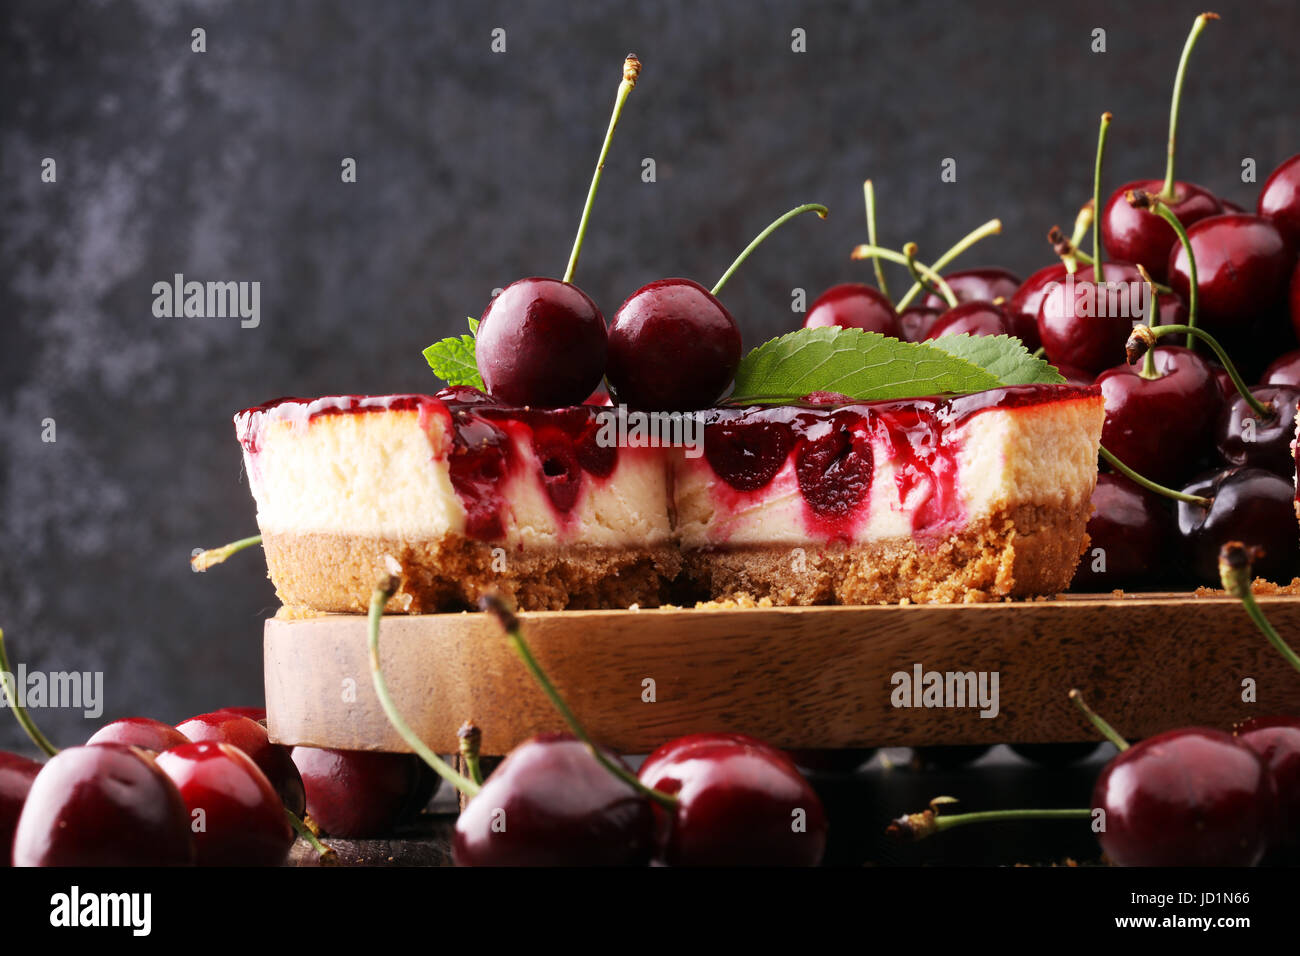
[(1143, 237), (854, 305)]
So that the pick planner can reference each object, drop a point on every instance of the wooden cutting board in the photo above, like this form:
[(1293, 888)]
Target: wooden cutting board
[(797, 677)]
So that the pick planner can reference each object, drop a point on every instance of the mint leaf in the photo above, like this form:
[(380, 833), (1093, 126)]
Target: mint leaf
[(861, 365), (452, 360), (473, 326), (1003, 355)]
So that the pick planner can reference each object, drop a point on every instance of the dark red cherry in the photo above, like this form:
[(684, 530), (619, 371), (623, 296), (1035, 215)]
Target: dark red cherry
[(834, 467), (357, 793), (251, 737), (747, 455), (1243, 264), (854, 305), (1141, 236), (1277, 741), (1129, 534), (1249, 505), (1293, 298), (16, 775), (916, 321), (673, 347), (541, 342), (106, 805), (1022, 308), (971, 318), (1162, 428), (1190, 797), (1279, 200), (977, 285), (1084, 326), (236, 816), (254, 713), (551, 804), (1226, 387), (1244, 439), (1285, 370), (139, 732), (740, 803)]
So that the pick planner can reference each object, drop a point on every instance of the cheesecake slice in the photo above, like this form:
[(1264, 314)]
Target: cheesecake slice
[(956, 498)]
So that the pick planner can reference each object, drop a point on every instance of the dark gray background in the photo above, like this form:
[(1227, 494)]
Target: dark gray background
[(472, 171)]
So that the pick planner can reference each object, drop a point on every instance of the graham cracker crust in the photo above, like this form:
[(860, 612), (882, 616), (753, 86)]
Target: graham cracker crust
[(1022, 551)]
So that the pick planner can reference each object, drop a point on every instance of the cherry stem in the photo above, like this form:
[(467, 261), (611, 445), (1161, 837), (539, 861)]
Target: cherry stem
[(910, 250), (927, 823), (1150, 485), (1082, 223), (1167, 193), (1143, 338), (514, 635), (1098, 267), (990, 228), (378, 598), (1153, 309), (1235, 560), (1144, 200), (941, 284), (214, 556), (631, 70), (20, 712), (471, 738), (1102, 726), (757, 241), (869, 195), (328, 856)]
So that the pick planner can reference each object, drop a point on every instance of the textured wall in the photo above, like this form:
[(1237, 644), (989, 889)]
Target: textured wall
[(472, 167)]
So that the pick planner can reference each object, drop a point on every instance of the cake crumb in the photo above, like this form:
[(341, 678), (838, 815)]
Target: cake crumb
[(1260, 586)]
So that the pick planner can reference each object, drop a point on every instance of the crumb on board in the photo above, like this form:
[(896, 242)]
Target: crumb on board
[(1259, 586)]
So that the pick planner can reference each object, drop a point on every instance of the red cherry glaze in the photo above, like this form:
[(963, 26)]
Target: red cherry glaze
[(1279, 200), (1277, 741), (541, 342), (356, 793), (551, 804), (1242, 266), (139, 732), (106, 805), (672, 346), (251, 737), (1243, 439), (853, 305), (235, 815), (1142, 237), (1193, 797), (1079, 327), (1129, 534), (1162, 428), (916, 321), (16, 776), (834, 468), (1285, 370), (738, 803), (976, 285), (972, 318)]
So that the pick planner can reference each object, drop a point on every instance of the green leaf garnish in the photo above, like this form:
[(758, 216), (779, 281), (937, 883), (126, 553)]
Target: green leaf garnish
[(452, 360), (473, 325), (1003, 355), (861, 365)]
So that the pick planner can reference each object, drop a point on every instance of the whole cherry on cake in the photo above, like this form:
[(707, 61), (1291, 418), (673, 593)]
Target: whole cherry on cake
[(974, 317), (977, 285), (854, 305)]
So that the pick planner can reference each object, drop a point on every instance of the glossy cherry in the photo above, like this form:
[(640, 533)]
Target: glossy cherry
[(252, 713), (1162, 428), (1142, 237), (971, 318), (1243, 264), (1129, 534), (139, 732), (541, 342), (550, 803), (854, 305), (1277, 741), (1190, 797), (357, 793), (235, 814), (1279, 200), (251, 737), (1249, 505), (16, 775), (672, 347), (740, 803), (106, 805), (1285, 370), (916, 322), (976, 285), (1244, 439)]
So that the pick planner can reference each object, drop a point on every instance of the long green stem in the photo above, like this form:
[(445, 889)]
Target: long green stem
[(1153, 310), (869, 196), (1150, 485), (757, 241), (1104, 728), (909, 251), (990, 228), (1261, 410), (214, 556), (1143, 200), (919, 826), (514, 635), (631, 70), (1168, 192), (20, 713), (469, 738), (378, 598), (1234, 572), (327, 854), (868, 251), (1098, 267)]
